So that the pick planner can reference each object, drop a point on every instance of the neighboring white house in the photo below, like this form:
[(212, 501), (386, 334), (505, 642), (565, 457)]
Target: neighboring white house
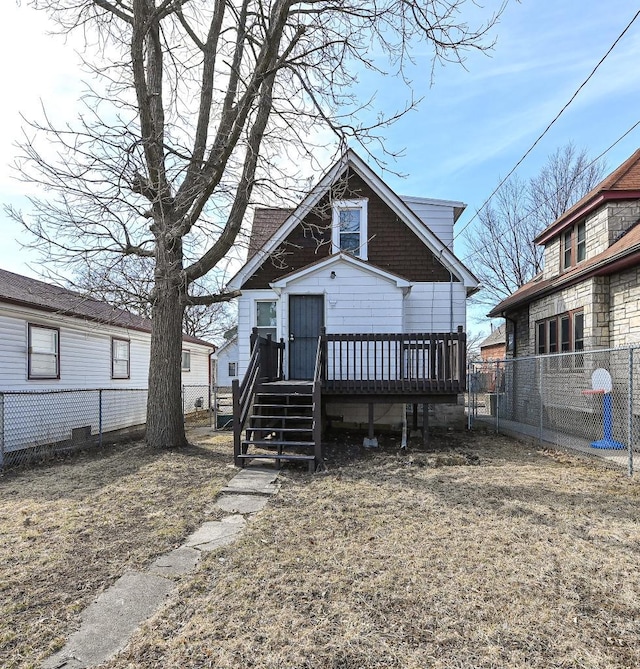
[(353, 257), (226, 363), (53, 339)]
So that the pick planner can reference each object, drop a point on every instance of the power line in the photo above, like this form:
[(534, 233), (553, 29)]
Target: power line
[(544, 132), (586, 167)]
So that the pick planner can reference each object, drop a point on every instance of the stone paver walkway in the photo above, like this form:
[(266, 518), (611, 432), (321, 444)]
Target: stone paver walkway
[(107, 624)]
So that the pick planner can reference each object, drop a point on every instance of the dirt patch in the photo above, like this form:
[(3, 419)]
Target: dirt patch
[(69, 529), (476, 552)]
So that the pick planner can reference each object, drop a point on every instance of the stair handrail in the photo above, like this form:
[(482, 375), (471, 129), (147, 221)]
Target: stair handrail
[(318, 375), (242, 394)]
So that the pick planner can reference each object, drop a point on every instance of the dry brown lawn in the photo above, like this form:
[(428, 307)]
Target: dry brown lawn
[(69, 529), (479, 552), (484, 553)]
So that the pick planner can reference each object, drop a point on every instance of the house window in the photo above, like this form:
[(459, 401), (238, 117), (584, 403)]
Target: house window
[(581, 242), (44, 352), (186, 361), (119, 358), (574, 245), (266, 318), (563, 333), (541, 345), (233, 369), (349, 227)]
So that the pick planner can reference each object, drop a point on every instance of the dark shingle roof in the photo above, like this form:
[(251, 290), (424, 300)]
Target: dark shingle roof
[(265, 224), (498, 336), (22, 290)]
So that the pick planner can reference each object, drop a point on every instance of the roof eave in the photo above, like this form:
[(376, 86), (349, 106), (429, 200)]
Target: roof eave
[(600, 198), (624, 260)]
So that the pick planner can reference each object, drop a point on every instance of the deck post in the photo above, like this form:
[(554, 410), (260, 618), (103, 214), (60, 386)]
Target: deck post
[(425, 424), (370, 441), (462, 358), (414, 424)]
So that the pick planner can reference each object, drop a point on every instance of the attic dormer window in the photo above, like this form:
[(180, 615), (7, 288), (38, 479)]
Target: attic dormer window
[(574, 245), (349, 227)]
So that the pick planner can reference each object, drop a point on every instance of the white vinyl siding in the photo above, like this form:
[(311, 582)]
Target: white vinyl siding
[(44, 352), (226, 357), (199, 361), (435, 307), (437, 217), (85, 353)]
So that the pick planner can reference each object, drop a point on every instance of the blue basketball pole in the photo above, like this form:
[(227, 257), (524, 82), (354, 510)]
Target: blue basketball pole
[(607, 423)]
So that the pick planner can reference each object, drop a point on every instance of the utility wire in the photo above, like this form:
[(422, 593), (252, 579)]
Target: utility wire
[(544, 132), (586, 167)]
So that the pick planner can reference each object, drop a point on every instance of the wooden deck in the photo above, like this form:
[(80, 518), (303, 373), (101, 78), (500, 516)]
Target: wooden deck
[(413, 368)]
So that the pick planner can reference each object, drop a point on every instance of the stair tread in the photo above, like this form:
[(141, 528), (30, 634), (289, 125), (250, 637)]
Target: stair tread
[(283, 406), (270, 428), (275, 456), (270, 417), (275, 442)]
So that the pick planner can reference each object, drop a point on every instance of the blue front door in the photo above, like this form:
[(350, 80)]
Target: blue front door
[(306, 318)]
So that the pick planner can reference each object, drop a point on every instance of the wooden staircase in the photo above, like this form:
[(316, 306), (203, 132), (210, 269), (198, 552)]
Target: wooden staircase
[(280, 426)]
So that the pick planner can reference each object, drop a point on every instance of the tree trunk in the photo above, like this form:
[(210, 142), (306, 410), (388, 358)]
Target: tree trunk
[(165, 419)]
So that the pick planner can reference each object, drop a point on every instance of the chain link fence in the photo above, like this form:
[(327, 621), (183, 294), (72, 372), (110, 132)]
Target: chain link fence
[(197, 406), (222, 399), (585, 402), (36, 425)]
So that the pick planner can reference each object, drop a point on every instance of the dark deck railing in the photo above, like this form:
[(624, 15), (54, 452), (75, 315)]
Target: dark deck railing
[(265, 365), (397, 363)]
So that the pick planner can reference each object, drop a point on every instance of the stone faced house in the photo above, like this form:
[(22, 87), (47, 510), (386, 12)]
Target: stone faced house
[(588, 295)]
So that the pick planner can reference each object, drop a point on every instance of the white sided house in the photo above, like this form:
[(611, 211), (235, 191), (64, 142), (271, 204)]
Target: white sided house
[(362, 298), (69, 362), (226, 363)]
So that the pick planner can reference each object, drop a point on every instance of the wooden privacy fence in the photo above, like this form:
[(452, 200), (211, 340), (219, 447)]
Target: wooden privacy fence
[(378, 363)]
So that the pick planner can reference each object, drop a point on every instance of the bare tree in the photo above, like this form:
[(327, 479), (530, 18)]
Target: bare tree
[(502, 253), (197, 110), (129, 285)]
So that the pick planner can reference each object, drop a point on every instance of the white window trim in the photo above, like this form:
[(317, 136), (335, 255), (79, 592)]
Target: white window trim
[(255, 314), (31, 353), (114, 344), (182, 365), (335, 224)]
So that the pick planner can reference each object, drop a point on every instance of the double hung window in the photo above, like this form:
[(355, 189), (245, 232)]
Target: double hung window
[(44, 352), (574, 245), (120, 360), (349, 228), (266, 318), (561, 334)]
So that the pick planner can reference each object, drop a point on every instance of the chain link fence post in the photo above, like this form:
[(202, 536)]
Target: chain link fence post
[(100, 418), (541, 394), (1, 430), (497, 391), (630, 412)]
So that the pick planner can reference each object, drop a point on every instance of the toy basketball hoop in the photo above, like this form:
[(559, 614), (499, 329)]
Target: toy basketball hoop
[(601, 384)]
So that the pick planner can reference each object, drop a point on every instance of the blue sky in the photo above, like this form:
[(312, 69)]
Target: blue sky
[(472, 126)]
